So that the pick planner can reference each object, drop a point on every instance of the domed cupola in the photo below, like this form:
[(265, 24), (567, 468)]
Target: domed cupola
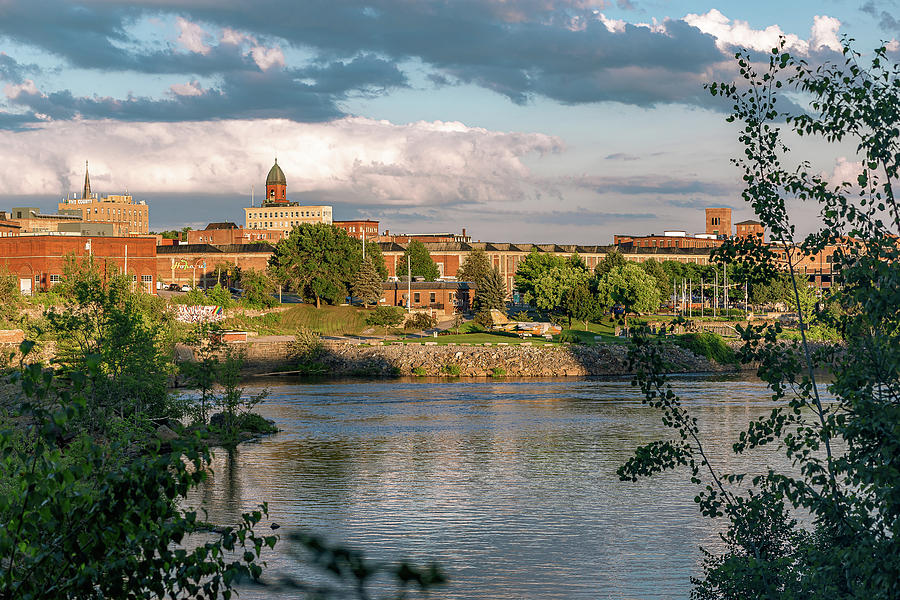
[(276, 185)]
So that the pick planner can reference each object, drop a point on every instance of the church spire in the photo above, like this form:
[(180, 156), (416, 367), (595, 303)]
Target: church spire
[(87, 182)]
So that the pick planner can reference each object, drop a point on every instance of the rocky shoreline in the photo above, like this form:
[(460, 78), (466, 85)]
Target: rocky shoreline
[(459, 360)]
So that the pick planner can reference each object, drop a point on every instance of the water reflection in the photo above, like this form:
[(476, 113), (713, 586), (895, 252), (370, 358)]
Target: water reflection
[(510, 485)]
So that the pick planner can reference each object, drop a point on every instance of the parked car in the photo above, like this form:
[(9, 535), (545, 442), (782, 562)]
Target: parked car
[(185, 288)]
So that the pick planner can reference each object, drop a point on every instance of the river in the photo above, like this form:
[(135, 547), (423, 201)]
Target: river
[(509, 485)]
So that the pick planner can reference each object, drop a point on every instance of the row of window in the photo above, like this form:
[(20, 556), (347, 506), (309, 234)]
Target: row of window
[(290, 213)]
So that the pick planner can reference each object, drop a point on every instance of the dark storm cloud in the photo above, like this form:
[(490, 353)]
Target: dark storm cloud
[(12, 71), (558, 50), (276, 93)]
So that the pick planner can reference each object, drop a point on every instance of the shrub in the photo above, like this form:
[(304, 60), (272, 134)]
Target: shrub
[(568, 337), (498, 372), (452, 370), (707, 344), (420, 320), (484, 320), (307, 345), (419, 371)]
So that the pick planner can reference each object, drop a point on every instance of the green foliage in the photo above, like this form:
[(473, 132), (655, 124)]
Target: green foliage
[(373, 251), (421, 263), (233, 404), (127, 335), (545, 279), (258, 288), (579, 303), (11, 299), (565, 337), (419, 321), (483, 320), (307, 345), (610, 261), (707, 344), (318, 261), (490, 292), (385, 316), (367, 283), (663, 281), (629, 286), (91, 520), (475, 267), (419, 371), (451, 370), (497, 372), (843, 450)]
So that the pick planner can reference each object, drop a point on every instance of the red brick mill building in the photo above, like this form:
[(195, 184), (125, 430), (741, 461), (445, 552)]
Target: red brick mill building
[(39, 260)]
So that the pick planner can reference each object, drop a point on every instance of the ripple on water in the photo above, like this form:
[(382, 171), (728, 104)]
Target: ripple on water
[(510, 485)]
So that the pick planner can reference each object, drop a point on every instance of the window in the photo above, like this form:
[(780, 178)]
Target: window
[(431, 299), (416, 297)]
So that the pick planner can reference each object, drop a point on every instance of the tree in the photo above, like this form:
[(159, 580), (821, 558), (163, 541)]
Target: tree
[(373, 251), (128, 335), (421, 264), (385, 316), (663, 282), (475, 266), (258, 288), (490, 292), (629, 286), (367, 284), (849, 547), (609, 262), (85, 519), (580, 303), (317, 260), (543, 279)]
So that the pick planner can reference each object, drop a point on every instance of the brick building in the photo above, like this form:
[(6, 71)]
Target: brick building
[(441, 297), (277, 212), (505, 257), (746, 229), (39, 260), (201, 264), (669, 239), (405, 238), (718, 222), (359, 229), (126, 216), (228, 233)]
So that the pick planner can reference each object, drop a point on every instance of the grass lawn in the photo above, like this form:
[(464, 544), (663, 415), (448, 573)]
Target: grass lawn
[(328, 320)]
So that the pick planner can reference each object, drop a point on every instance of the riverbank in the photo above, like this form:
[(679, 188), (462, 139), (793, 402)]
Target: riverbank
[(277, 354)]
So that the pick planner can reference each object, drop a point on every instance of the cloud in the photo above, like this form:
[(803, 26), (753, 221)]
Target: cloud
[(186, 89), (652, 184), (730, 34), (191, 36), (420, 164), (621, 156), (844, 171)]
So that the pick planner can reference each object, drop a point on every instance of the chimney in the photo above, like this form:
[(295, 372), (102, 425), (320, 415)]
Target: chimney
[(464, 233)]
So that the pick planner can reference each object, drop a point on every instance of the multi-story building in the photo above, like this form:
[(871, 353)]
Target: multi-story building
[(229, 233), (669, 239), (359, 229), (126, 216), (718, 222), (30, 219), (39, 260), (277, 213), (746, 229), (405, 238)]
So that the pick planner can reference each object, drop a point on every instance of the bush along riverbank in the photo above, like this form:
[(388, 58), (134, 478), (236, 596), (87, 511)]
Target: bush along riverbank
[(457, 360)]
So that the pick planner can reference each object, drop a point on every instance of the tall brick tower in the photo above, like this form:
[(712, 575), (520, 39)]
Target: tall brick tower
[(718, 222), (276, 186)]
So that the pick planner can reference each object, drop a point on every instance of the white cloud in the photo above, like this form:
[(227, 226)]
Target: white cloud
[(186, 89), (423, 163), (892, 46), (844, 171), (824, 33), (191, 36), (265, 58), (736, 33), (12, 90)]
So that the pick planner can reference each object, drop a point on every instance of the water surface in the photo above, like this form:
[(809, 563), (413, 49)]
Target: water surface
[(509, 485)]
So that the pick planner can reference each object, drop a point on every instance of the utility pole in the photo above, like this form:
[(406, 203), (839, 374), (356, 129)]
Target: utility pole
[(702, 301), (690, 300), (725, 288), (716, 293), (408, 283), (674, 297)]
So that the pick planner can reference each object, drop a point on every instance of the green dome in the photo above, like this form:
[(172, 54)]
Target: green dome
[(276, 175)]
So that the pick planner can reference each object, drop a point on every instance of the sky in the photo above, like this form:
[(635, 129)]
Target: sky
[(526, 121)]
